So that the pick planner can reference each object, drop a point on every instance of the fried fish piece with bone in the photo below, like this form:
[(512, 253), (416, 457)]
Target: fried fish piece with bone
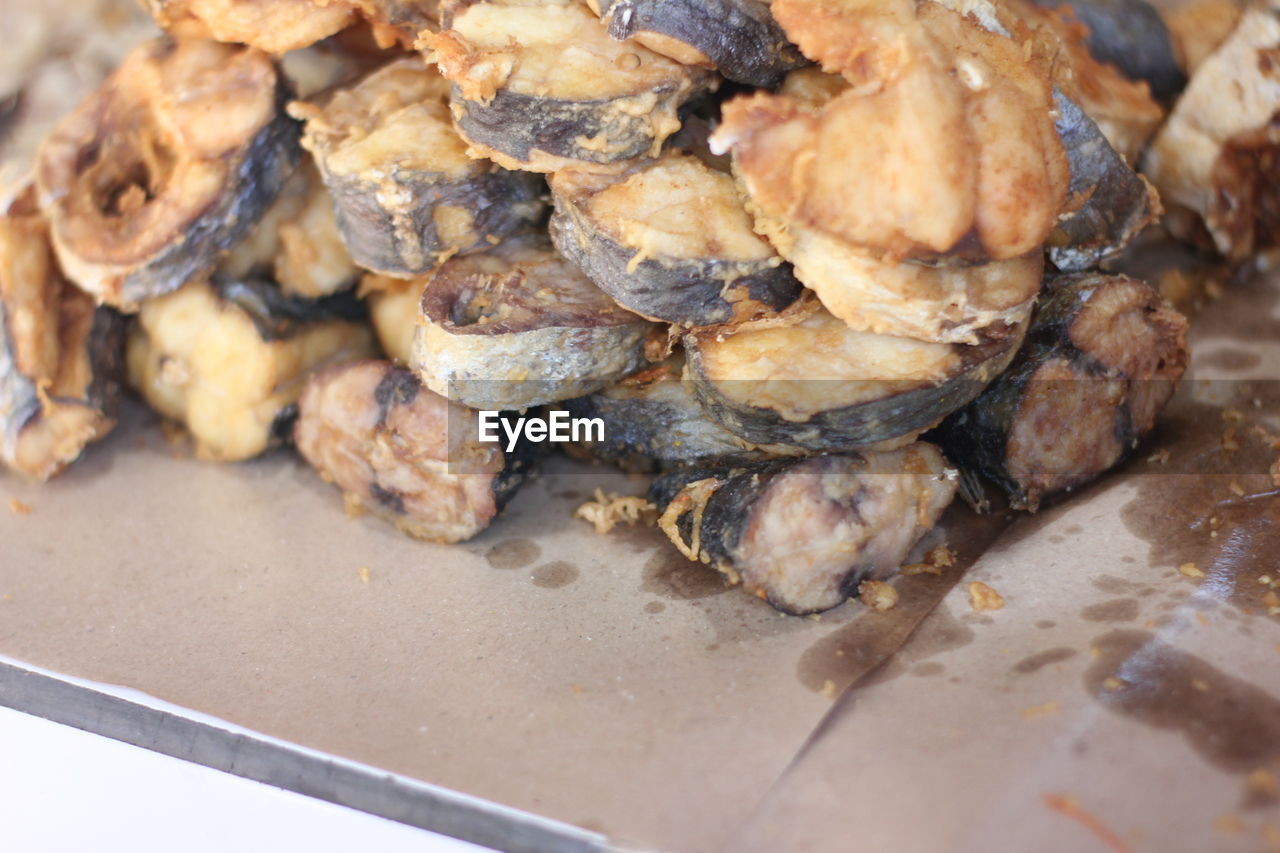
[(940, 147), (803, 534), (59, 354), (738, 38), (276, 26), (165, 167), (670, 240), (405, 192), (228, 360), (541, 86), (1102, 359), (520, 326), (819, 385), (403, 453), (1219, 153)]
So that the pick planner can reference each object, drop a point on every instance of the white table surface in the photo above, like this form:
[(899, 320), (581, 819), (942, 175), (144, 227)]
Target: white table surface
[(63, 789)]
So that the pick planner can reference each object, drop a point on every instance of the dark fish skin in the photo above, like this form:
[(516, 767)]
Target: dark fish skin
[(978, 437), (656, 423), (1120, 202), (1131, 35), (859, 425), (502, 202), (727, 512), (684, 292), (277, 315), (740, 37), (516, 124)]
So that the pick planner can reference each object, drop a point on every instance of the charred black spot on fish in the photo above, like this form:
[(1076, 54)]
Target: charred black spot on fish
[(397, 388), (387, 498)]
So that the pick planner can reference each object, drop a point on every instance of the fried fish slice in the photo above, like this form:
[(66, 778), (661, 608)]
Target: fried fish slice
[(803, 534), (403, 453), (1102, 359), (60, 355), (165, 167), (543, 87)]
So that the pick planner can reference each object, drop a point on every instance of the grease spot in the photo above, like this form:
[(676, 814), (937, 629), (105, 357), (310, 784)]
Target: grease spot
[(654, 607), (555, 575), (1040, 660), (1073, 529), (928, 669), (1231, 723), (513, 553), (1229, 358), (669, 575), (1046, 624), (1115, 610), (862, 648), (1113, 585)]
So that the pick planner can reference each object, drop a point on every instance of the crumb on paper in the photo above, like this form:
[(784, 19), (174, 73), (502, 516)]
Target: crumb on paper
[(1275, 473), (363, 574), (577, 690), (1230, 441), (17, 507), (941, 556), (935, 560), (1160, 457), (604, 512), (878, 595), (829, 689), (1043, 710), (1265, 580), (351, 505), (1263, 781), (1068, 806), (1229, 824), (1202, 619), (1112, 684), (1236, 489), (1095, 652), (1200, 684), (983, 597), (1233, 415), (1190, 570), (1271, 600)]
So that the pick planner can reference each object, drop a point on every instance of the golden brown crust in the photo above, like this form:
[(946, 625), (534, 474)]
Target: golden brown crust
[(942, 144)]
